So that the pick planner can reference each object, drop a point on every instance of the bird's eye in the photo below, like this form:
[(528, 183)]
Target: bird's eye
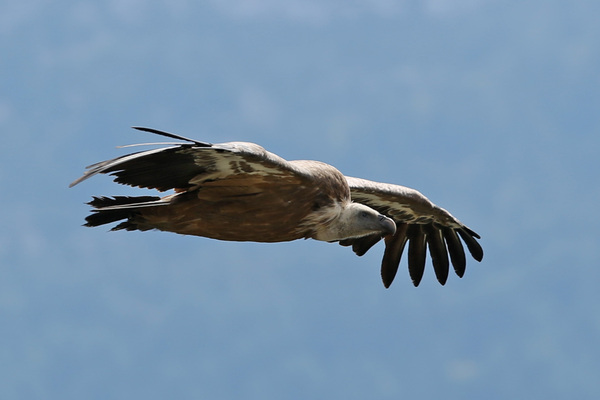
[(364, 214)]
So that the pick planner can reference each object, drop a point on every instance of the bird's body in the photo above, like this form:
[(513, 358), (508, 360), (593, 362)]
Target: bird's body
[(240, 192)]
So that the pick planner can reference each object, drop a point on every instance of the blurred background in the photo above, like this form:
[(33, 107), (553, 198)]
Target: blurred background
[(488, 107)]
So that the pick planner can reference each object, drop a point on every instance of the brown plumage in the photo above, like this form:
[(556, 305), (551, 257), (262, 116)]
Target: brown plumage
[(239, 191)]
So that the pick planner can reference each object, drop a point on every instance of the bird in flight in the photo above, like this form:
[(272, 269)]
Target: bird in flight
[(238, 191)]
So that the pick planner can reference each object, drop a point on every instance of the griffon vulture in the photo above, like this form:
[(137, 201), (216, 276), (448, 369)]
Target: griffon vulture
[(239, 191)]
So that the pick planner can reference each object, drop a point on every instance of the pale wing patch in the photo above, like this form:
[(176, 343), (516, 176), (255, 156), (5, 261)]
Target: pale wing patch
[(399, 211), (223, 161), (399, 202)]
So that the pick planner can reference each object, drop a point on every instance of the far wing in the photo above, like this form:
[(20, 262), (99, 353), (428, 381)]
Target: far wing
[(188, 165), (420, 223)]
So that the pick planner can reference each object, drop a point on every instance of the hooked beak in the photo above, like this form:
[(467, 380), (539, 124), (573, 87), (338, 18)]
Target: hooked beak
[(388, 225)]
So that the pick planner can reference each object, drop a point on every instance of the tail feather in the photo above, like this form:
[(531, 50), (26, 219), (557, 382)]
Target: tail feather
[(113, 209)]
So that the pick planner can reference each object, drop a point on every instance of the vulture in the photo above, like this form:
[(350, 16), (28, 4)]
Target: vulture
[(238, 191)]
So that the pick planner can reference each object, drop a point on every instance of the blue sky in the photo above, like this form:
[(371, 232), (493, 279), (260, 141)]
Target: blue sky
[(490, 108)]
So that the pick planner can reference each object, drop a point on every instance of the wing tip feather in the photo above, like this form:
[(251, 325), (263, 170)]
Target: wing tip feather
[(172, 136)]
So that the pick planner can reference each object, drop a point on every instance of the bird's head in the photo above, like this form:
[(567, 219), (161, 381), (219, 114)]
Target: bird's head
[(362, 220), (357, 220)]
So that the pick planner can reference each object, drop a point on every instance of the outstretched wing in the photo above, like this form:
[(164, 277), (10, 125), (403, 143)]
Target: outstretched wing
[(420, 223), (188, 165)]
